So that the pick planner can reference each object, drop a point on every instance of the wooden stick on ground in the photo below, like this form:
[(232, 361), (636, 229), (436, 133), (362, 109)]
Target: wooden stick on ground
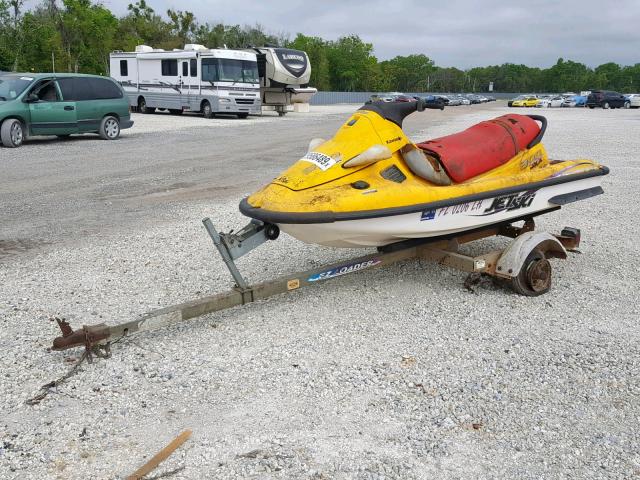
[(160, 457)]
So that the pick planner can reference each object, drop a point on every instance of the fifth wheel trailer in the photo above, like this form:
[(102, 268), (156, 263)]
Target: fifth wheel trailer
[(284, 77), (195, 79)]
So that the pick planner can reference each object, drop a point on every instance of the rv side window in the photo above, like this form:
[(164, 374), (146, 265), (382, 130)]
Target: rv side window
[(124, 68), (169, 68), (185, 69), (193, 65)]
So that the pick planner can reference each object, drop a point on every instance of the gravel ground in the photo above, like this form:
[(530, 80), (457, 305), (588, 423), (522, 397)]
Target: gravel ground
[(389, 373)]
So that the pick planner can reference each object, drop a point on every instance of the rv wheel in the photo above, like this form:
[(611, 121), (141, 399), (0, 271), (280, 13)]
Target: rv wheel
[(206, 110), (142, 106), (243, 115), (281, 113)]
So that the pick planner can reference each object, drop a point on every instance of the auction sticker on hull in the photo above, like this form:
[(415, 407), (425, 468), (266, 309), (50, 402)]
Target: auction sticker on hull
[(344, 269), (320, 160)]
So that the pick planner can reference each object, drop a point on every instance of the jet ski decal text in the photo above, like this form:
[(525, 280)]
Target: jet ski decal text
[(451, 210), (343, 270), (320, 160), (510, 202)]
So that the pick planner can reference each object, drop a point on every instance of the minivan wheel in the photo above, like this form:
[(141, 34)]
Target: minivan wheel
[(606, 105), (627, 105), (142, 106), (109, 128), (207, 112), (12, 133)]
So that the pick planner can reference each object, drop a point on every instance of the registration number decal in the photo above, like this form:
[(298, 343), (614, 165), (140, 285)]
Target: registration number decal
[(344, 269), (320, 160)]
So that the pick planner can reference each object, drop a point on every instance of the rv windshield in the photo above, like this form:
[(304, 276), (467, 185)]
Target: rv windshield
[(229, 70), (11, 86)]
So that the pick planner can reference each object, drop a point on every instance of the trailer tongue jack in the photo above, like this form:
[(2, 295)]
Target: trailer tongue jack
[(523, 264)]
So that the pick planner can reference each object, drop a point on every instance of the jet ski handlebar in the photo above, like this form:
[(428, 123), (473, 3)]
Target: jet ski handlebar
[(543, 127), (396, 112)]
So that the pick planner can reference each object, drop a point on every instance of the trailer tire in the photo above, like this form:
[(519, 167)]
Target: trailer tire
[(534, 277), (142, 106), (206, 109), (12, 133)]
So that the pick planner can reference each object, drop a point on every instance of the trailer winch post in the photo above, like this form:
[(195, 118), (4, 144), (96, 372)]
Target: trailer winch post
[(226, 254)]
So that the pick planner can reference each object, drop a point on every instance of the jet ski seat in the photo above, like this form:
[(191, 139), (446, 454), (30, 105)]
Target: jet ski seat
[(486, 145)]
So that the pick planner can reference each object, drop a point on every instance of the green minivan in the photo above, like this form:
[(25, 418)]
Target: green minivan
[(60, 104)]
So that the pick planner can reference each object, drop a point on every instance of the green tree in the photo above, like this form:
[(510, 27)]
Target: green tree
[(316, 49), (351, 63)]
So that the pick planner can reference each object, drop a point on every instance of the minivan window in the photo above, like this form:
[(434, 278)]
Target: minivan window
[(193, 65), (169, 68), (12, 86), (124, 68), (88, 88), (46, 91), (104, 89)]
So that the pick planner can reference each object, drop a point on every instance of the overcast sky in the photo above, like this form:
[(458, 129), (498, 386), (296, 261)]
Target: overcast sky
[(461, 33)]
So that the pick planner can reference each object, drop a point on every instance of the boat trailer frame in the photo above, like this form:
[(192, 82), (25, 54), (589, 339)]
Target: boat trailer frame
[(506, 264)]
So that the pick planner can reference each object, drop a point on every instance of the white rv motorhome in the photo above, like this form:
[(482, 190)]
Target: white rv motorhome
[(284, 77), (195, 79)]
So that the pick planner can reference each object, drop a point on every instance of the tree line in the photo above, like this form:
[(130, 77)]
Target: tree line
[(78, 35)]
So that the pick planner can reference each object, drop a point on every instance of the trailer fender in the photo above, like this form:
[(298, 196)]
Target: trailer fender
[(514, 256)]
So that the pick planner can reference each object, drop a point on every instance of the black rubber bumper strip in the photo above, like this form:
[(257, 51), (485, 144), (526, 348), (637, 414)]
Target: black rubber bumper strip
[(270, 216)]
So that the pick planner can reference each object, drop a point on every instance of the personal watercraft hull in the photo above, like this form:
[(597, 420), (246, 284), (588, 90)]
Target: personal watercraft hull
[(437, 218), (370, 186)]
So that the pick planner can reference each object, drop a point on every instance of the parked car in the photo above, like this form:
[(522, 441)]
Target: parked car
[(581, 100), (632, 100), (384, 97), (525, 102), (432, 100), (605, 99), (62, 105), (403, 98), (550, 101), (464, 100), (473, 98), (452, 100)]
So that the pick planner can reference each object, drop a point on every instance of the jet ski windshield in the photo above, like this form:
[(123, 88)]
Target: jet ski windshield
[(394, 111)]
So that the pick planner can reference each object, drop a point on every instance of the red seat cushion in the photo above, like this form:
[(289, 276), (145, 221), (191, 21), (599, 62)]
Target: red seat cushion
[(483, 147)]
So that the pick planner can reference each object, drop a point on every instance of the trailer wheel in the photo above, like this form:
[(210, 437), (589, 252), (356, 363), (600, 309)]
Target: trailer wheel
[(207, 112), (142, 106), (534, 277)]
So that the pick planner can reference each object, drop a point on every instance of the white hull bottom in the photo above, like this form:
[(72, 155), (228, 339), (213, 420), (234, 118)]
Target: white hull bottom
[(380, 231)]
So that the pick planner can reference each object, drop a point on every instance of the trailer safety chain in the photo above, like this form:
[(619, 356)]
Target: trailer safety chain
[(100, 351)]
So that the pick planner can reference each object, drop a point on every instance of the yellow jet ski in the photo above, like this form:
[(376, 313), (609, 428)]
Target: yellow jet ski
[(370, 186)]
